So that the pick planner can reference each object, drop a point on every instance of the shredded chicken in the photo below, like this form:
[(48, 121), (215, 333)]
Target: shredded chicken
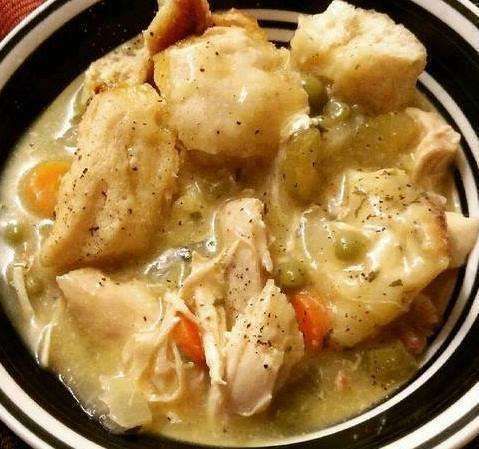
[(151, 371), (241, 221), (263, 346), (462, 233), (228, 292), (119, 184), (221, 287), (204, 290), (437, 147), (175, 20), (107, 309)]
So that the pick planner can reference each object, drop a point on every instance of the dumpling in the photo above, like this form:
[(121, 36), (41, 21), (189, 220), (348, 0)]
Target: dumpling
[(387, 242), (106, 309), (119, 184), (131, 64), (175, 20), (230, 93), (437, 147), (128, 65), (371, 60)]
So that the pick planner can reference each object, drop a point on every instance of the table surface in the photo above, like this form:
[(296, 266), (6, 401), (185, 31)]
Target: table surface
[(11, 11)]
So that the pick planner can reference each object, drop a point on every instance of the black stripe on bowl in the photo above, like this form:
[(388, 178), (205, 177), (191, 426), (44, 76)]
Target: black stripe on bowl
[(277, 24)]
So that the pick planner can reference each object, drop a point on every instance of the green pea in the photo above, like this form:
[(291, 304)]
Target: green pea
[(316, 91), (349, 246), (14, 233), (291, 274)]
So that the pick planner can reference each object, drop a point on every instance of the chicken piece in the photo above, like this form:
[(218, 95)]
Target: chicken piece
[(203, 290), (241, 221), (222, 88), (175, 20), (388, 242), (371, 60), (236, 18), (245, 370), (263, 346), (220, 288), (105, 309), (437, 147), (119, 184), (462, 232), (151, 370), (128, 65)]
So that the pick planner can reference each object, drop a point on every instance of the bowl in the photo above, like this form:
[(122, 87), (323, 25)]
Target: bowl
[(439, 407)]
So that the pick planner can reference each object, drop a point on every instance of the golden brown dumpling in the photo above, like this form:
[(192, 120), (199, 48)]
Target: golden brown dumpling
[(370, 59), (175, 20), (387, 242), (229, 92), (233, 17), (119, 184)]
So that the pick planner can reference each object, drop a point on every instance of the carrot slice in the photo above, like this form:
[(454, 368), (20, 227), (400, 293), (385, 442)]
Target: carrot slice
[(40, 186), (313, 319), (188, 338)]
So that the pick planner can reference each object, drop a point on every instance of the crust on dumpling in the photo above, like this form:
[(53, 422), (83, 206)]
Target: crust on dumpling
[(128, 65), (119, 184), (233, 17), (462, 233), (175, 20)]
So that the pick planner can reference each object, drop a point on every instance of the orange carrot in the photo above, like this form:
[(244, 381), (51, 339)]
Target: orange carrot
[(40, 185), (313, 319), (187, 336)]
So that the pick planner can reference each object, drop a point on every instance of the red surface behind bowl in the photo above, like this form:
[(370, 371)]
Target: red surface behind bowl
[(13, 11)]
